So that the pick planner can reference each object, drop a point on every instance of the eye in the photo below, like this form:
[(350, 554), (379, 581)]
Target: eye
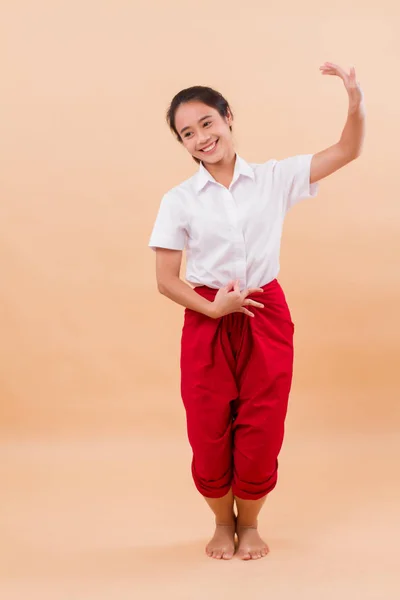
[(186, 134), (207, 123)]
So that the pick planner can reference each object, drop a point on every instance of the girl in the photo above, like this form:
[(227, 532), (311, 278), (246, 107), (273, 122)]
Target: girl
[(237, 338)]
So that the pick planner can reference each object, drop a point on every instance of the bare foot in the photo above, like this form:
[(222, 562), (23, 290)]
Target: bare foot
[(251, 546), (222, 544)]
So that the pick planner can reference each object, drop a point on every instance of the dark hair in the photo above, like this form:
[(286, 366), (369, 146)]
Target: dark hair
[(198, 93)]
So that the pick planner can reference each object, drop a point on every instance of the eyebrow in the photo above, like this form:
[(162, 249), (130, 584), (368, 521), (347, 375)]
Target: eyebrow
[(199, 121)]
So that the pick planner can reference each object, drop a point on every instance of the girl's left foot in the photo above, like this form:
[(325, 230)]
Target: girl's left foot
[(251, 546), (222, 545)]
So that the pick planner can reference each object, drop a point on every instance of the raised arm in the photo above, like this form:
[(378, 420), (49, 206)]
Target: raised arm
[(349, 146)]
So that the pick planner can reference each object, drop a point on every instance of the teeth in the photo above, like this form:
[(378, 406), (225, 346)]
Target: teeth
[(209, 148)]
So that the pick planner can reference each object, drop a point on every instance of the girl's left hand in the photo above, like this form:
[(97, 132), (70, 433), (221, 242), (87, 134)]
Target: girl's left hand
[(350, 83)]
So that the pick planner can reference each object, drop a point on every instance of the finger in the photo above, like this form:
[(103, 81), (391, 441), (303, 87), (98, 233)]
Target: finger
[(333, 69), (253, 303), (331, 72), (236, 287), (254, 291), (246, 312), (331, 65), (327, 66)]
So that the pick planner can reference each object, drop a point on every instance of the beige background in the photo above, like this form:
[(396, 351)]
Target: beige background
[(97, 499)]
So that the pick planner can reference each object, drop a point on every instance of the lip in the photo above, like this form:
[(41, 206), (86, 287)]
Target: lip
[(213, 150)]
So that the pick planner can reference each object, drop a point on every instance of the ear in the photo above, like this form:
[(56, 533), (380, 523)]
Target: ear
[(229, 117)]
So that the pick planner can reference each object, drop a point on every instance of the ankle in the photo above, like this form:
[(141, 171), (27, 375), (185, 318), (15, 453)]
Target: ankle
[(228, 522), (242, 524)]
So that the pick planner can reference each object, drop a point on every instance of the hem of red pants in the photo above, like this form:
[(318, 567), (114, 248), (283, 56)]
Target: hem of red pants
[(218, 493), (221, 492), (253, 496)]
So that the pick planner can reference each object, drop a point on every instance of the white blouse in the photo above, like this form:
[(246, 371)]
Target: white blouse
[(233, 233)]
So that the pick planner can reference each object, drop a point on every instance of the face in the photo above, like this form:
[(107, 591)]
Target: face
[(204, 133)]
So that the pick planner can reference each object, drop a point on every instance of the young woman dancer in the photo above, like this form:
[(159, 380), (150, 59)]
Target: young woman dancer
[(237, 338)]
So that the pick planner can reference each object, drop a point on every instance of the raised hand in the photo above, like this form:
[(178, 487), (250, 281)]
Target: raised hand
[(349, 79), (230, 299)]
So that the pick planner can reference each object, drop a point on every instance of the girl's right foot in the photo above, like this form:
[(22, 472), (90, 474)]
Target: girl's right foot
[(222, 545)]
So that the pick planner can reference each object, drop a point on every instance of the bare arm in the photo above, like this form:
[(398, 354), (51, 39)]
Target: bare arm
[(227, 300), (349, 146), (169, 283)]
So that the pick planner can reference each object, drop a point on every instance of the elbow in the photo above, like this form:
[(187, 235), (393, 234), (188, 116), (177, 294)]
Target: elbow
[(164, 287), (166, 283), (351, 154), (356, 154), (357, 151), (161, 287)]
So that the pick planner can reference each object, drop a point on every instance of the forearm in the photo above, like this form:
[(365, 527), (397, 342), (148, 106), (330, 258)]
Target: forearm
[(352, 138), (180, 292)]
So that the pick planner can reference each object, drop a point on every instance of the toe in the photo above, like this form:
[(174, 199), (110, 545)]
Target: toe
[(227, 555), (244, 555)]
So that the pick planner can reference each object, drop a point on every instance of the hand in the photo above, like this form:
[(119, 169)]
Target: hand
[(349, 79), (229, 299)]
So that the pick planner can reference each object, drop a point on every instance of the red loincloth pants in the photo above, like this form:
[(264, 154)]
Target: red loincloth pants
[(236, 374)]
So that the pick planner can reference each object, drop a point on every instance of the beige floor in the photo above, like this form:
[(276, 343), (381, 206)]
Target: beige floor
[(96, 498), (116, 516)]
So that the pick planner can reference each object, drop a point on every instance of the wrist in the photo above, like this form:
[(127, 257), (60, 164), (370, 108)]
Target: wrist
[(356, 106), (355, 109), (211, 311)]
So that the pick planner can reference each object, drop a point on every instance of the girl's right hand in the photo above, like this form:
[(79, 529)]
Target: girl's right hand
[(230, 299)]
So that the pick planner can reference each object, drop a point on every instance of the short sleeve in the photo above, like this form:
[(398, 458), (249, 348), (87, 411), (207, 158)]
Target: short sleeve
[(294, 177), (170, 227)]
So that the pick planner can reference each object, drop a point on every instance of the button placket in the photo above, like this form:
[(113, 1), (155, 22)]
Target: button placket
[(238, 241)]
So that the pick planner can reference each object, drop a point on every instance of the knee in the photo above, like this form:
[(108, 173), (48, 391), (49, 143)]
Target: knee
[(255, 482), (213, 482)]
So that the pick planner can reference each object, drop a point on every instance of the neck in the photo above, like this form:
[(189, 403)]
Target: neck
[(223, 170)]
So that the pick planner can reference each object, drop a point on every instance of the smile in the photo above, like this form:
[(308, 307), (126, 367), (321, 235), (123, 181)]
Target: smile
[(210, 148)]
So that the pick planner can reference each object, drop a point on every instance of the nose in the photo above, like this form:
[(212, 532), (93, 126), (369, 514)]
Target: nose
[(203, 138)]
